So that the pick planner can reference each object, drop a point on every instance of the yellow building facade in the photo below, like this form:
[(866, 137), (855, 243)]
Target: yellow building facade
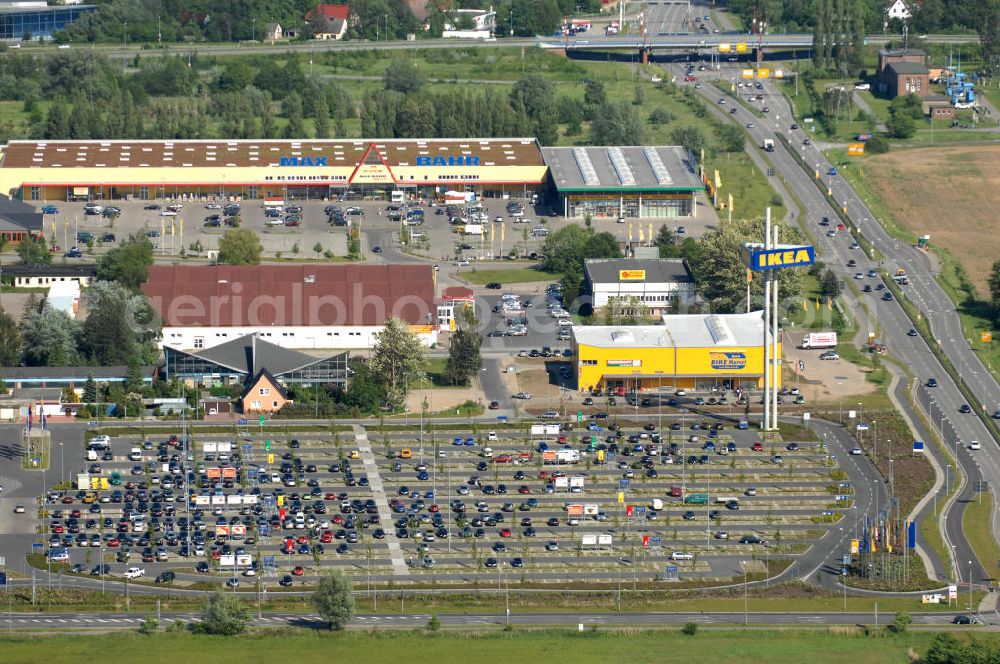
[(691, 352)]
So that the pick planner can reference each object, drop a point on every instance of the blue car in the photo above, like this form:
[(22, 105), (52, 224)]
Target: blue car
[(423, 476), (458, 441), (832, 171), (470, 441), (50, 209), (593, 426)]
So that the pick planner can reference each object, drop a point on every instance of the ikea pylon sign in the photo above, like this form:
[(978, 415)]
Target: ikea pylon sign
[(782, 256)]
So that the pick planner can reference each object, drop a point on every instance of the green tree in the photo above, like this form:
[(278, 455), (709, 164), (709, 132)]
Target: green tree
[(292, 108), (364, 391), (34, 251), (224, 615), (397, 361), (236, 76), (464, 360), (830, 285), (691, 138), (111, 328), (572, 285), (594, 98), (333, 599), (128, 264), (617, 123), (403, 76), (10, 341), (720, 274), (321, 117), (901, 125), (660, 116), (666, 241), (90, 394), (994, 285), (49, 338), (240, 246)]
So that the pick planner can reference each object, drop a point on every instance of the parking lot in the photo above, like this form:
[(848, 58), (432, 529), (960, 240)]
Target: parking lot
[(450, 506)]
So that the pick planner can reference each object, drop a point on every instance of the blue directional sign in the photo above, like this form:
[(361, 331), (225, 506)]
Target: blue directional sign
[(37, 545), (247, 446), (3, 578), (918, 446), (672, 570), (655, 541), (501, 418), (639, 510), (242, 421), (623, 483)]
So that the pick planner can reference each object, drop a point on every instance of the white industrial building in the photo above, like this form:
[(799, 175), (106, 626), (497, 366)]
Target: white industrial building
[(304, 306), (661, 285)]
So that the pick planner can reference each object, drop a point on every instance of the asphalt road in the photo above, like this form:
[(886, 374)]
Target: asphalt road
[(114, 621), (885, 318)]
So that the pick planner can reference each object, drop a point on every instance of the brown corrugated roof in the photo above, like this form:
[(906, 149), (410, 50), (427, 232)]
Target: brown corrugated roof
[(290, 295), (337, 152)]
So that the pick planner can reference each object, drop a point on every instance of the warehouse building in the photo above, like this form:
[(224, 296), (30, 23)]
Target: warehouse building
[(300, 306), (691, 352), (651, 287), (256, 169), (623, 182)]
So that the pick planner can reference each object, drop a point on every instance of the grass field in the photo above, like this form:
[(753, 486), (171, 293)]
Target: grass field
[(976, 522), (509, 276), (961, 185), (669, 645)]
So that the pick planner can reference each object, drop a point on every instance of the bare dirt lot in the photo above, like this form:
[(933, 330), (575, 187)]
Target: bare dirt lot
[(951, 194)]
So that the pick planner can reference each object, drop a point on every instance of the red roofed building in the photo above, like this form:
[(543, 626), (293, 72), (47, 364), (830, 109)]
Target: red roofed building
[(299, 306), (328, 21)]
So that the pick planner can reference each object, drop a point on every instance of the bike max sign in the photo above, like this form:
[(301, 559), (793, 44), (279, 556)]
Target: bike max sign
[(464, 160)]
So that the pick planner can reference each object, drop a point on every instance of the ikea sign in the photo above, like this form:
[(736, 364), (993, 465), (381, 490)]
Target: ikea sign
[(467, 160), (759, 259)]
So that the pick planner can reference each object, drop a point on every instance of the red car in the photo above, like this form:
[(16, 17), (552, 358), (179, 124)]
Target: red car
[(505, 532), (326, 537), (841, 227), (303, 539), (690, 78), (330, 496), (757, 447), (298, 571), (433, 509), (113, 542), (524, 489)]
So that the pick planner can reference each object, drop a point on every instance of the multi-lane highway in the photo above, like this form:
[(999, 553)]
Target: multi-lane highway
[(113, 621), (883, 317)]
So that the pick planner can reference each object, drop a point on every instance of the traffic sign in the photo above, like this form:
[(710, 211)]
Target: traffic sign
[(267, 446), (623, 483), (37, 545), (3, 578), (640, 510), (247, 446), (501, 418), (242, 421), (262, 420), (579, 416), (656, 541)]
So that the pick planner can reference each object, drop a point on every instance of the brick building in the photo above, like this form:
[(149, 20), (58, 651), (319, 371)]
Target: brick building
[(903, 72)]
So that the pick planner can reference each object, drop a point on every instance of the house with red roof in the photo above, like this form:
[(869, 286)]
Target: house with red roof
[(328, 21)]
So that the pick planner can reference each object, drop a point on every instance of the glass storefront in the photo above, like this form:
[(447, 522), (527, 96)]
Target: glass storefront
[(632, 206)]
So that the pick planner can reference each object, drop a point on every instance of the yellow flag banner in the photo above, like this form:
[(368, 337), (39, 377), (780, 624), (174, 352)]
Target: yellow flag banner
[(718, 179), (730, 201)]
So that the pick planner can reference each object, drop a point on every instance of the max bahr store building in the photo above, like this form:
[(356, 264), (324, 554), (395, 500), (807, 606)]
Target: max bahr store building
[(605, 181)]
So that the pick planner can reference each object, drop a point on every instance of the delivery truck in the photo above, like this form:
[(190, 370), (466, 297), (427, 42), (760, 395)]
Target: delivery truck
[(820, 340), (767, 144)]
